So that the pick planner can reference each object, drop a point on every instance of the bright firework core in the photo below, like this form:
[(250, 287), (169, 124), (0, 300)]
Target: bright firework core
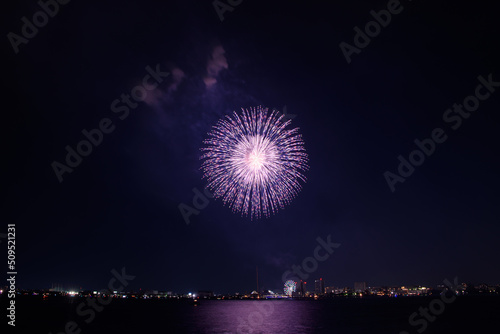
[(259, 154), (253, 162), (255, 159)]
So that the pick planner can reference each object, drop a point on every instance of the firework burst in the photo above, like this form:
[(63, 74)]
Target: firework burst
[(290, 287), (253, 162)]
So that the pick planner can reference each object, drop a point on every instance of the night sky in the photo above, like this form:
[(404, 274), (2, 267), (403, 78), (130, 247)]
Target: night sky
[(120, 206)]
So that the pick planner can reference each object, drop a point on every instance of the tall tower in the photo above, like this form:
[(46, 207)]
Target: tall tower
[(303, 288), (257, 272), (319, 286), (359, 286)]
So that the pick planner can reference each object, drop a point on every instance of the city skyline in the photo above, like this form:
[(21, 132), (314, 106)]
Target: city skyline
[(311, 288), (302, 291), (104, 142)]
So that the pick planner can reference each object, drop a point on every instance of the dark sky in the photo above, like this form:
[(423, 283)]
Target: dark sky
[(119, 207)]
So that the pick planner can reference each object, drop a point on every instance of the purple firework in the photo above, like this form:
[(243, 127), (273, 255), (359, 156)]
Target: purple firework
[(253, 162)]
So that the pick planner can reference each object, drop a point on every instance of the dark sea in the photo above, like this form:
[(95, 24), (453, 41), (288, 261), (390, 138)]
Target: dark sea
[(467, 314)]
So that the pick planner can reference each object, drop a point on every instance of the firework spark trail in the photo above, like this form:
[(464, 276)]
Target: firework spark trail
[(290, 287), (253, 163)]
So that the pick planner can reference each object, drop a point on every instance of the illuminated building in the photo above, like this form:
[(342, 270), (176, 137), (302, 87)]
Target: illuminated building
[(319, 286), (302, 289), (359, 286), (205, 294)]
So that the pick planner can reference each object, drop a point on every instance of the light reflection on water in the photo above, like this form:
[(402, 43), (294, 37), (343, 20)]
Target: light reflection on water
[(475, 314), (247, 316)]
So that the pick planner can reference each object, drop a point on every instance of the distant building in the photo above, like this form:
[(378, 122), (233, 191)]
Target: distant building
[(377, 290), (205, 294), (319, 286), (329, 289), (359, 286), (302, 289), (56, 288)]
